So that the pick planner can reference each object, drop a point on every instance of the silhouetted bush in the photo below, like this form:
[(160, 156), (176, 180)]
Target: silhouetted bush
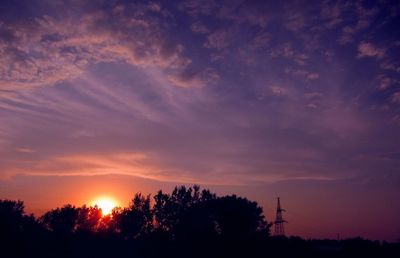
[(189, 222)]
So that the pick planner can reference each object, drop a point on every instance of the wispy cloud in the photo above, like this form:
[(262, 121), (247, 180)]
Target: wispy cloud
[(25, 150), (55, 49), (364, 18), (396, 97), (240, 93), (366, 49)]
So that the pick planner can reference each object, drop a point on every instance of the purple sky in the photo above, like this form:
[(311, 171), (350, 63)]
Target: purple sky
[(298, 99)]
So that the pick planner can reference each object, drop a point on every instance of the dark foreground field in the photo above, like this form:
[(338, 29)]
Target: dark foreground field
[(189, 222)]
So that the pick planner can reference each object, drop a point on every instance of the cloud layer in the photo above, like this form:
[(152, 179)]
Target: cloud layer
[(236, 93)]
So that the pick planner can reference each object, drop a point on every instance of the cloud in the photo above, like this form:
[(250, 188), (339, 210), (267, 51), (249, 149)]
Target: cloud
[(25, 150), (332, 13), (347, 35), (189, 78), (385, 82), (364, 19), (198, 7), (218, 39), (105, 124), (303, 73), (288, 51), (53, 49), (253, 13), (312, 105), (396, 97), (295, 22), (261, 40), (134, 164), (366, 49), (278, 90), (311, 95), (386, 65), (198, 27), (313, 76), (273, 108), (127, 163), (365, 15), (285, 50)]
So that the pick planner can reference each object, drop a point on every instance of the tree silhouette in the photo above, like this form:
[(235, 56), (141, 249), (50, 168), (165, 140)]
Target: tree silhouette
[(169, 210), (11, 216), (61, 220), (238, 218), (188, 222), (137, 219), (88, 219), (16, 229)]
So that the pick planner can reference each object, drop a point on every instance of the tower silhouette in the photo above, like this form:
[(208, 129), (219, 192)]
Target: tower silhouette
[(279, 229)]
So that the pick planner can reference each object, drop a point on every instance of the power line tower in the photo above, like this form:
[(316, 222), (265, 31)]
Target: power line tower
[(279, 229)]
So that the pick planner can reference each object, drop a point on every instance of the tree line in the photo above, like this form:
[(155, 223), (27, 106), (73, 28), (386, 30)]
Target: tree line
[(188, 222)]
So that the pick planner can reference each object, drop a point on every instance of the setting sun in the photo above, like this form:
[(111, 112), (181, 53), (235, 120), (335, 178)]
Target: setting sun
[(105, 204)]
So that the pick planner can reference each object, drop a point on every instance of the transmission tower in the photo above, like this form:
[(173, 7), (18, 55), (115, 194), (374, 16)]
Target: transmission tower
[(279, 221)]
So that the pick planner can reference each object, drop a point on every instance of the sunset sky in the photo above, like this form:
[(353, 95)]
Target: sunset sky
[(297, 99)]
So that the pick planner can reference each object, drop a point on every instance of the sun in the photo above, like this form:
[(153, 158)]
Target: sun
[(106, 205)]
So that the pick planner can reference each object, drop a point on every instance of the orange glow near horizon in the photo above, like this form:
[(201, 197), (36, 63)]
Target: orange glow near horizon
[(106, 204)]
